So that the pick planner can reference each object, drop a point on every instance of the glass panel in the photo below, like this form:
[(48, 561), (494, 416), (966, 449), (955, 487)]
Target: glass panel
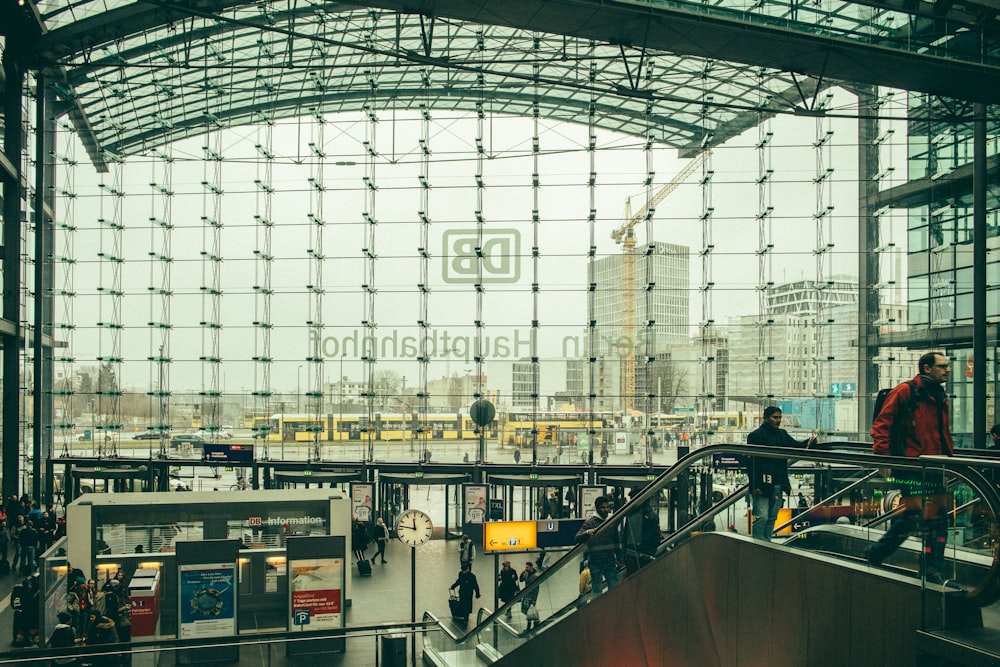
[(917, 239)]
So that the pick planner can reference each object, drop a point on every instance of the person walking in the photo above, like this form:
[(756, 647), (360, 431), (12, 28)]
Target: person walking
[(528, 608), (359, 540), (769, 476), (914, 422), (507, 586), (381, 538), (466, 552), (467, 584)]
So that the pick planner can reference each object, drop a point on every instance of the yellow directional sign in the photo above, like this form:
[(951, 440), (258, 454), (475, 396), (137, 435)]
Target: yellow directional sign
[(509, 535)]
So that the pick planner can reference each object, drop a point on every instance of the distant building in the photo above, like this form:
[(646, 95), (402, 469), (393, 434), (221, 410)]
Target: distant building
[(803, 349), (662, 314), (668, 268)]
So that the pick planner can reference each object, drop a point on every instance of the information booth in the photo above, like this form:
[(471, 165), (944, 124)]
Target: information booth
[(136, 532)]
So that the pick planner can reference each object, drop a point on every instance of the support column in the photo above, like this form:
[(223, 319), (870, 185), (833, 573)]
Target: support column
[(868, 258), (14, 75), (982, 368), (42, 365)]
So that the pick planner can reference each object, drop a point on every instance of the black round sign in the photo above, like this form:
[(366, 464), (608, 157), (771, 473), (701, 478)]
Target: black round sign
[(482, 412)]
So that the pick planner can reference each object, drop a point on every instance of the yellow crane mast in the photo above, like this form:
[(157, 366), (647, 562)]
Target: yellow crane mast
[(625, 236)]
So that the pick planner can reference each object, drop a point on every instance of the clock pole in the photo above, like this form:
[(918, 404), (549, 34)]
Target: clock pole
[(413, 605), (406, 524)]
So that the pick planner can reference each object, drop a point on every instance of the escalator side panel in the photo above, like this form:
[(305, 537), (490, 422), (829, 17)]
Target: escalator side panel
[(722, 600)]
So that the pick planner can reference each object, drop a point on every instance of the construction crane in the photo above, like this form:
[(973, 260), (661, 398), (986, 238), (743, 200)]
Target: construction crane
[(625, 236)]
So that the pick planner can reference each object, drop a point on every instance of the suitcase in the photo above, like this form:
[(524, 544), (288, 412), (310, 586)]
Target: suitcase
[(456, 607), (365, 568)]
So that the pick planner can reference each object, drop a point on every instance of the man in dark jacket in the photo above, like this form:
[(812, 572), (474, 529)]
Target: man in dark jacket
[(916, 413), (507, 586), (467, 584), (603, 553), (769, 476), (359, 540), (63, 636), (27, 538)]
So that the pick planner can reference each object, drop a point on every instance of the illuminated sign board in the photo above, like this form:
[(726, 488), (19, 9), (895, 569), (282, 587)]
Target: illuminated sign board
[(226, 453), (509, 535), (729, 461)]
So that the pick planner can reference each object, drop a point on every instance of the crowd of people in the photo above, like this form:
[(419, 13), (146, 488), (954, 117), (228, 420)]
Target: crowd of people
[(27, 531), (88, 613), (95, 615)]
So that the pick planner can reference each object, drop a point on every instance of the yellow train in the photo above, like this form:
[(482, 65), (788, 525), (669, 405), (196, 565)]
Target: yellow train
[(522, 427), (386, 426)]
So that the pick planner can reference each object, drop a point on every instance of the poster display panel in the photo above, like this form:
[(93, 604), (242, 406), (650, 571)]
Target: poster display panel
[(316, 593), (362, 502), (207, 601), (588, 494), (475, 503)]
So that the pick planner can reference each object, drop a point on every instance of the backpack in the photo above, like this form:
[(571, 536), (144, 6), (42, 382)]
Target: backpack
[(896, 445)]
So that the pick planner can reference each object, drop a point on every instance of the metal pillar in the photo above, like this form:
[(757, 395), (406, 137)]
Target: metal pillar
[(14, 73), (868, 258), (982, 369), (42, 341)]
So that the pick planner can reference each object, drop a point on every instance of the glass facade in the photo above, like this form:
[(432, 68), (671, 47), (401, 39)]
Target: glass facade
[(232, 227)]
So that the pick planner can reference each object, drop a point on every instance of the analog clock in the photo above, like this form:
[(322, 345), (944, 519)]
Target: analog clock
[(414, 528)]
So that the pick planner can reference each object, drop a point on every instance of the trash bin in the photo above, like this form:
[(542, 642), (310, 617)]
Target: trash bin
[(393, 650)]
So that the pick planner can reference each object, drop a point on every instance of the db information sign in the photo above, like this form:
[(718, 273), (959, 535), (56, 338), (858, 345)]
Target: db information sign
[(509, 535)]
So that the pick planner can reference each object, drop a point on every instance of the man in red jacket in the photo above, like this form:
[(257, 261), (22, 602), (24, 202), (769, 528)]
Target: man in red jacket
[(915, 414)]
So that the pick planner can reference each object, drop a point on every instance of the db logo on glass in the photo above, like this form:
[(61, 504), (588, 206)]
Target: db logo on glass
[(255, 522), (500, 252)]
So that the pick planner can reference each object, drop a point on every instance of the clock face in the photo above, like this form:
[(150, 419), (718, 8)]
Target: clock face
[(414, 528)]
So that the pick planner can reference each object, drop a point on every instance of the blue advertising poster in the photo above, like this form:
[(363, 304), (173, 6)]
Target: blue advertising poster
[(207, 601)]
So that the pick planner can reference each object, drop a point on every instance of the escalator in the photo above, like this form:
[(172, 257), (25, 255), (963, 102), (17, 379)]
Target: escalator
[(704, 596)]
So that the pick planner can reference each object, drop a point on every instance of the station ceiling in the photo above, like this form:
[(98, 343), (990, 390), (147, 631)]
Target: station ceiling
[(134, 75)]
